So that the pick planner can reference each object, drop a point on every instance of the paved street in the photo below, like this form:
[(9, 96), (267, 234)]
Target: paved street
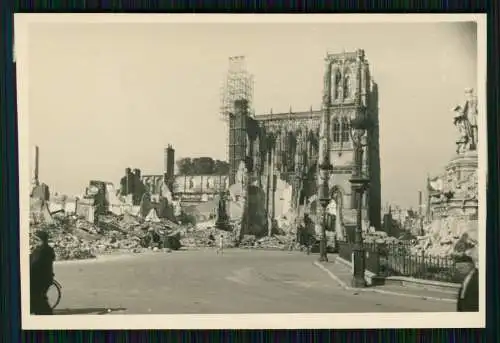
[(202, 282)]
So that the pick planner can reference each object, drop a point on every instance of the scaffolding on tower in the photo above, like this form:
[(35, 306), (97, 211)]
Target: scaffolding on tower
[(238, 85)]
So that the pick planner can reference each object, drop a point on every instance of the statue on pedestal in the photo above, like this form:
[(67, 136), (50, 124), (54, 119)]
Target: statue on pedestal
[(463, 127), (470, 109), (465, 120)]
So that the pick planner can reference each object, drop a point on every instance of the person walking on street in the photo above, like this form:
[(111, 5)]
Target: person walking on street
[(310, 240), (41, 274), (220, 249)]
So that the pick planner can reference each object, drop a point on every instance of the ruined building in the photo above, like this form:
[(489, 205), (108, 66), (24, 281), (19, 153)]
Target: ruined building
[(169, 164), (154, 182), (186, 188), (280, 150)]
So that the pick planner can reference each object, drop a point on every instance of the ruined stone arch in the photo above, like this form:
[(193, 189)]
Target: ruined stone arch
[(309, 186), (277, 148), (314, 138), (311, 144), (271, 145), (270, 140), (298, 134), (291, 150), (300, 150)]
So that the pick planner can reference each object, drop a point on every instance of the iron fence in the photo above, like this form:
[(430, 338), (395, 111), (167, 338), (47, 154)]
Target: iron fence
[(396, 259)]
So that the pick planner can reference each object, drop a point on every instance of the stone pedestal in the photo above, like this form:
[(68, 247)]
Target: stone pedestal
[(463, 165), (460, 191)]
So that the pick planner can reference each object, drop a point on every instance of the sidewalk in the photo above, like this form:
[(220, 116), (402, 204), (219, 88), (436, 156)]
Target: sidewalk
[(342, 274)]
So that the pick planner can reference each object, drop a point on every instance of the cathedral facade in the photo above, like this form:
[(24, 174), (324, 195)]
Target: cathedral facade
[(284, 147)]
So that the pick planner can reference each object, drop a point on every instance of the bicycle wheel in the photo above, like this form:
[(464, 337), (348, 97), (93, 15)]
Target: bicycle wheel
[(54, 294)]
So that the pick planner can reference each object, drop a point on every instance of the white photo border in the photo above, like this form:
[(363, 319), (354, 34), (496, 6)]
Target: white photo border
[(22, 23)]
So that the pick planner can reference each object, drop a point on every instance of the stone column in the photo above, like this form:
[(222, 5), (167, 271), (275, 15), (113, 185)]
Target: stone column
[(272, 191), (36, 157), (244, 197), (268, 181)]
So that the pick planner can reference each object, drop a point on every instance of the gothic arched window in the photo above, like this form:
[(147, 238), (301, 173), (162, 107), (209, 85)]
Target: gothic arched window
[(336, 130), (337, 84), (310, 146), (291, 149), (345, 130), (347, 83)]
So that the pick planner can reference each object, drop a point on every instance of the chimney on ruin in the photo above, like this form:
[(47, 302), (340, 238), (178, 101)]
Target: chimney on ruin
[(36, 162), (169, 162)]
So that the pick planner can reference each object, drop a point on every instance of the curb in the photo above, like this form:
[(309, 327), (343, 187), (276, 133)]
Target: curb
[(368, 274), (443, 287), (380, 291)]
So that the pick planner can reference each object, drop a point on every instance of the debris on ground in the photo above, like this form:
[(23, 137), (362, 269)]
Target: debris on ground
[(76, 235), (450, 236), (73, 237)]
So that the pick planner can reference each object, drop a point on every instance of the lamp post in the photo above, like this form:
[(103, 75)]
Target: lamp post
[(360, 183), (324, 165), (324, 200)]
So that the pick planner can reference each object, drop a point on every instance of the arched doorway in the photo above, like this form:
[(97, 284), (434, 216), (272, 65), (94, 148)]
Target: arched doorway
[(336, 206), (331, 215)]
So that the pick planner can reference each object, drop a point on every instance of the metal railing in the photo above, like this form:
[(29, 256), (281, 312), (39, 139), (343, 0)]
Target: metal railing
[(397, 260)]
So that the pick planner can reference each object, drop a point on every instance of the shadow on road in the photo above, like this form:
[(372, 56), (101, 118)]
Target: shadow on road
[(94, 310)]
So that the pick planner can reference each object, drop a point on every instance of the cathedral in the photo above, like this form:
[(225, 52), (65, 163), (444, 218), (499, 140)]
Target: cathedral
[(284, 148)]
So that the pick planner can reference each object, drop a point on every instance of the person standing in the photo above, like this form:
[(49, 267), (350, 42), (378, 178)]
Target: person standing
[(41, 274), (220, 249), (211, 240), (468, 295)]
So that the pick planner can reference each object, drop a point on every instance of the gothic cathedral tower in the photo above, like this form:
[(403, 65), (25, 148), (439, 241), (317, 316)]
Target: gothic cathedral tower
[(352, 94)]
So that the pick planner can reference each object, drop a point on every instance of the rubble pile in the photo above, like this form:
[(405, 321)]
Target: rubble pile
[(248, 241), (75, 238), (379, 237), (271, 242), (70, 247), (449, 236), (199, 236), (412, 225), (286, 223)]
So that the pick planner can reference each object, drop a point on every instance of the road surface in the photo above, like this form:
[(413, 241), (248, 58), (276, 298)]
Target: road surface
[(191, 282)]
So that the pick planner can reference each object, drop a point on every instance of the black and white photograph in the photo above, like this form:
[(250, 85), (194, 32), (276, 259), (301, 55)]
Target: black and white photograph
[(251, 171)]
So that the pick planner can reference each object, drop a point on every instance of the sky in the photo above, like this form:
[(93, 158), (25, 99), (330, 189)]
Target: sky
[(106, 96)]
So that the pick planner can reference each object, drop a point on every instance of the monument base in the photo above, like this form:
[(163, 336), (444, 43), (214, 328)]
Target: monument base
[(459, 195), (463, 165)]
